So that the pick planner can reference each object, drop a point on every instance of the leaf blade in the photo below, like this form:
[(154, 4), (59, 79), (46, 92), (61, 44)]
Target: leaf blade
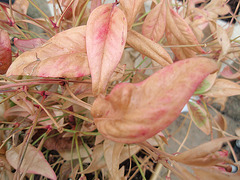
[(106, 28), (69, 45), (132, 113), (155, 23), (34, 161)]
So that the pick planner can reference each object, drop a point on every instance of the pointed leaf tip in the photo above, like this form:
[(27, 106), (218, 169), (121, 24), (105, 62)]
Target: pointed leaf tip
[(105, 40), (33, 162), (155, 22), (135, 112)]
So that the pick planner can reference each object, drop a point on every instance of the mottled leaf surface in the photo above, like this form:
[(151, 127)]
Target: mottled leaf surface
[(64, 55), (199, 116), (105, 40), (26, 45), (135, 112), (206, 84)]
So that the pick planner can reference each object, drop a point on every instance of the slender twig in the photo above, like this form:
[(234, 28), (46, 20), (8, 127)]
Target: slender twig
[(63, 14), (59, 128)]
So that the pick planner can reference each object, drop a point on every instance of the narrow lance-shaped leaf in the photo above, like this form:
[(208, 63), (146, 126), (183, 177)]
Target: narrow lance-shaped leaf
[(223, 88), (105, 40), (202, 150), (148, 48), (112, 152), (199, 116), (33, 162), (131, 9), (178, 32), (223, 39), (5, 52), (155, 22), (135, 112)]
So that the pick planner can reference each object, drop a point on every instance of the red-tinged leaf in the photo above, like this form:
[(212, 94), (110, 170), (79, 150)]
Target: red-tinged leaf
[(112, 151), (202, 150), (33, 161), (213, 174), (227, 73), (135, 112), (5, 52), (155, 22), (148, 48), (199, 116), (131, 8), (26, 45), (64, 55), (206, 84), (223, 88), (178, 32), (105, 40)]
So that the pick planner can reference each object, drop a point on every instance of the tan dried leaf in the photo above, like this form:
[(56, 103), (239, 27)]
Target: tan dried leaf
[(148, 48), (131, 8), (223, 88), (33, 161)]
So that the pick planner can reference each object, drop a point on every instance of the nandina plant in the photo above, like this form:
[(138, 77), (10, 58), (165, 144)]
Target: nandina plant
[(104, 82)]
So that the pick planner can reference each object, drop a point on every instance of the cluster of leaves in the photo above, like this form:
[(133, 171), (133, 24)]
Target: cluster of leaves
[(105, 80)]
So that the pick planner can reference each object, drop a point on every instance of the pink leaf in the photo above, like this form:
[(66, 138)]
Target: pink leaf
[(64, 55), (26, 45), (155, 22), (33, 161), (135, 112), (105, 39), (5, 52), (227, 73)]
